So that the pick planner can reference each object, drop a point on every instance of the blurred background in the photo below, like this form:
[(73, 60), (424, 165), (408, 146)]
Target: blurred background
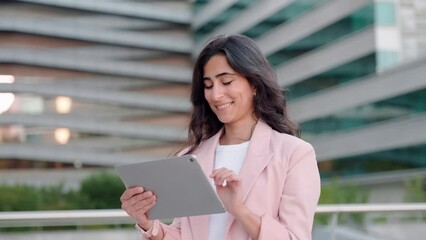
[(89, 84)]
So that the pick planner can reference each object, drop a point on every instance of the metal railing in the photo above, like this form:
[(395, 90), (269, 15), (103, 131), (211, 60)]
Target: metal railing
[(118, 216), (336, 209), (63, 218)]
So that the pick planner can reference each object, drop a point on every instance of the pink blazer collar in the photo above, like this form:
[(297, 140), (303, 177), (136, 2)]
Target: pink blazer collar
[(257, 158)]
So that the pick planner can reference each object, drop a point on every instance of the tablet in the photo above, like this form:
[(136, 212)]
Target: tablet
[(181, 187)]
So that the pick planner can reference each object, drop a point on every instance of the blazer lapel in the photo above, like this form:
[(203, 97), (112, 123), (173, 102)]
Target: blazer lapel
[(205, 155), (256, 160), (257, 156)]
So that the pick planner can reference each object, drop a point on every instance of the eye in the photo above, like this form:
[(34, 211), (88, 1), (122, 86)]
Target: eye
[(208, 86), (227, 82)]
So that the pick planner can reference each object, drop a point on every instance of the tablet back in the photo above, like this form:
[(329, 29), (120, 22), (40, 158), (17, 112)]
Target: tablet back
[(179, 183)]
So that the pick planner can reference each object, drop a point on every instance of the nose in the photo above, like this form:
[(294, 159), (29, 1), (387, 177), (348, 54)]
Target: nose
[(217, 92)]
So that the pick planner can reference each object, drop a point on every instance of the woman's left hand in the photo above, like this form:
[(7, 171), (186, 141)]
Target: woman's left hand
[(229, 188)]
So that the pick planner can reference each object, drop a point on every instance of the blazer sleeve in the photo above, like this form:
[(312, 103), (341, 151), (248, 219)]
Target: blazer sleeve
[(171, 232), (299, 199)]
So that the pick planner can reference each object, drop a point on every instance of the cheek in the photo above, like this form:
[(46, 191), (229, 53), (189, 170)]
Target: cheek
[(207, 96), (248, 100)]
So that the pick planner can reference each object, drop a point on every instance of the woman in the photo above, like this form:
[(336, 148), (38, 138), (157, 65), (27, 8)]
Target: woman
[(266, 177)]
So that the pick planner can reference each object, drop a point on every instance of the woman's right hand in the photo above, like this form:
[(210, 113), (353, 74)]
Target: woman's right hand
[(137, 202)]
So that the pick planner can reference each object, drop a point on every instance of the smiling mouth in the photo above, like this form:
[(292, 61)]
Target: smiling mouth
[(223, 106)]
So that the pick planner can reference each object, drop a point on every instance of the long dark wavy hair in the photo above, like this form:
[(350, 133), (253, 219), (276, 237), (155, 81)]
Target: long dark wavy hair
[(245, 57)]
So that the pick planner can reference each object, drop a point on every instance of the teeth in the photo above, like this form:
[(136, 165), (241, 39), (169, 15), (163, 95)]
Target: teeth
[(220, 107)]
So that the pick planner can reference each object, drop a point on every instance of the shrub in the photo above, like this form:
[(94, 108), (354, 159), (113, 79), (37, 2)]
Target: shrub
[(99, 191), (56, 198), (415, 189), (19, 198), (103, 190), (336, 193)]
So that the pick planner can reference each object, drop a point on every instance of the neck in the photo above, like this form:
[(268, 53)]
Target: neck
[(237, 133)]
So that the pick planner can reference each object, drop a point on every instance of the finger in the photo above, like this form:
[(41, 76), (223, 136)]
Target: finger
[(229, 180), (130, 192), (223, 174), (140, 212), (218, 172), (128, 204), (133, 207), (220, 178), (139, 197), (145, 206), (233, 179)]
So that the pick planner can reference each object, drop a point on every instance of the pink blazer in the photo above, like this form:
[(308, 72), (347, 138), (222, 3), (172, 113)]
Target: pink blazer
[(281, 184)]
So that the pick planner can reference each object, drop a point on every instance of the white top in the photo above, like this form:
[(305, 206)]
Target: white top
[(231, 157)]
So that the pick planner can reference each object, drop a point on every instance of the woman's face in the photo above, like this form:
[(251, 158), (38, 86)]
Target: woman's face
[(228, 93)]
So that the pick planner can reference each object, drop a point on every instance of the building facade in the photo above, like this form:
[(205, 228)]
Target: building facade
[(347, 67)]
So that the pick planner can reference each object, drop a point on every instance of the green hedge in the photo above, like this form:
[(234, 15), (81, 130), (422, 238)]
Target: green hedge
[(335, 193), (416, 189), (103, 190), (99, 191)]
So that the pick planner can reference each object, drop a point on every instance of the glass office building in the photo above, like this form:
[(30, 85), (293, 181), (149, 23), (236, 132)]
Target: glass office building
[(335, 60), (97, 84)]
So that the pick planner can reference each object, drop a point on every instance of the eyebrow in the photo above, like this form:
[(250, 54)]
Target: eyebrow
[(219, 75)]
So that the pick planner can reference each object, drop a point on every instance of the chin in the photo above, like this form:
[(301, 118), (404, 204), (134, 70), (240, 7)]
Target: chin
[(224, 120)]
